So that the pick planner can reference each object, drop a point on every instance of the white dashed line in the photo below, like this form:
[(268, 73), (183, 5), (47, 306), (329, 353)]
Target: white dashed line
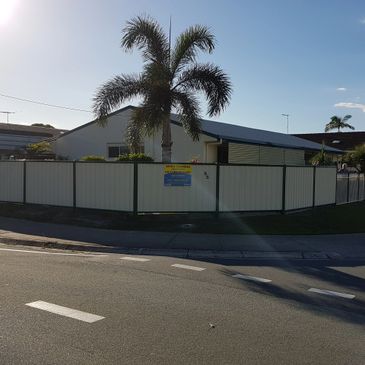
[(139, 259), (251, 278), (66, 312), (188, 267), (51, 253), (332, 293)]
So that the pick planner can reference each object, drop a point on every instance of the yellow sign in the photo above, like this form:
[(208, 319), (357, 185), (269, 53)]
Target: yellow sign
[(178, 169)]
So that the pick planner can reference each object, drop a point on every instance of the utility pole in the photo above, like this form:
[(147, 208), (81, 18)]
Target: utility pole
[(287, 122), (170, 41), (7, 115)]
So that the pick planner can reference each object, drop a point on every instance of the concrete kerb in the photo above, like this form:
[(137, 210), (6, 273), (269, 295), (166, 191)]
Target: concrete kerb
[(181, 253)]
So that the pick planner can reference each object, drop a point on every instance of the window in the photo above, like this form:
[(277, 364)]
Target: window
[(115, 151)]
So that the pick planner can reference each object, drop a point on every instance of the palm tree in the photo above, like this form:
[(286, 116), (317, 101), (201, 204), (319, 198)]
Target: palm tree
[(339, 123), (170, 80)]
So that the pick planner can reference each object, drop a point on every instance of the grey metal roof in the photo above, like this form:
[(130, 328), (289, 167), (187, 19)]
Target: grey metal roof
[(240, 134)]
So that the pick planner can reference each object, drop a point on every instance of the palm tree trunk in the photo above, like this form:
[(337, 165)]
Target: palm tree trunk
[(166, 142)]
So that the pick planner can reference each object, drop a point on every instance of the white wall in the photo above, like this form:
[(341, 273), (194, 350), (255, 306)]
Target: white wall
[(93, 140), (184, 149)]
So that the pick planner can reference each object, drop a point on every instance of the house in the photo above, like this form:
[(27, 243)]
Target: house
[(345, 141), (222, 142), (15, 137)]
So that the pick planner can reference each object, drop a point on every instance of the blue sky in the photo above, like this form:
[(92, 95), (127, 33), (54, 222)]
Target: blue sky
[(283, 56)]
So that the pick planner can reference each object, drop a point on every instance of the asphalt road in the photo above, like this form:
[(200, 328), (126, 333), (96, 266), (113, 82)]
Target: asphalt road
[(150, 312)]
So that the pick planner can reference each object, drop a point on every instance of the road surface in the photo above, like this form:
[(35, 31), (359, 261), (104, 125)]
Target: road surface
[(79, 308)]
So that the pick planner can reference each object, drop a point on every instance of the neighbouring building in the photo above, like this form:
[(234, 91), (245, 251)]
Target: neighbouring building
[(15, 137), (218, 142), (345, 141)]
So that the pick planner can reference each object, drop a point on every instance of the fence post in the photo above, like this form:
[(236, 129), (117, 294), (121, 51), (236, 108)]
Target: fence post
[(74, 183), (135, 188), (314, 186), (217, 183), (358, 186), (283, 189), (348, 188), (336, 185), (24, 182)]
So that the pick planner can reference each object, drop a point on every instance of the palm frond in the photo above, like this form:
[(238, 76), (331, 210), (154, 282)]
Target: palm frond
[(148, 36), (347, 125), (335, 119), (211, 80), (346, 117), (194, 38), (114, 92), (149, 117), (134, 134), (339, 123), (187, 106), (329, 127)]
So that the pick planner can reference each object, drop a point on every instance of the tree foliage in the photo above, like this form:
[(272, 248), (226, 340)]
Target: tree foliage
[(42, 125), (135, 157), (92, 158), (39, 148), (356, 158), (339, 123), (171, 80), (322, 159)]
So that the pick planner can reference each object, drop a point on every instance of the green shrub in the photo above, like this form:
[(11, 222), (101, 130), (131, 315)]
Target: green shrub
[(39, 148), (356, 158), (42, 125), (92, 158), (135, 157), (322, 159)]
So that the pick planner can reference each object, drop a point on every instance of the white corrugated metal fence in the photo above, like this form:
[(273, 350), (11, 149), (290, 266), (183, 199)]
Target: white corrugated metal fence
[(140, 187)]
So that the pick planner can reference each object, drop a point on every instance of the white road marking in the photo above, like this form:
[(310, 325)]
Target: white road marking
[(188, 267), (66, 312), (251, 278), (51, 253), (332, 293), (139, 259)]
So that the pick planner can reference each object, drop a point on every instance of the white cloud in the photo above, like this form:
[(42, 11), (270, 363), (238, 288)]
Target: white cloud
[(341, 89), (351, 106), (362, 21)]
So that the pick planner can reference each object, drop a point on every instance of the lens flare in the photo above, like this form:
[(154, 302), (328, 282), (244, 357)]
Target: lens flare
[(7, 8)]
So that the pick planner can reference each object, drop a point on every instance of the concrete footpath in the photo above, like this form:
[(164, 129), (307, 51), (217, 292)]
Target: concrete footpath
[(189, 245)]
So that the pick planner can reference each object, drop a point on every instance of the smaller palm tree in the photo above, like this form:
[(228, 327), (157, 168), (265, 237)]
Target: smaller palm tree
[(339, 123)]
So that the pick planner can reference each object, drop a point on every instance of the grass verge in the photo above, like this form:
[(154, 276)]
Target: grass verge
[(348, 218)]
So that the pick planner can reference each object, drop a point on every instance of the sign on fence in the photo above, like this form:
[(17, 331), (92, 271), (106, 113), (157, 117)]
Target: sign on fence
[(177, 175)]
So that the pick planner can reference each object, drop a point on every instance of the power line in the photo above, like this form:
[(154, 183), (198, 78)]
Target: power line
[(45, 104)]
